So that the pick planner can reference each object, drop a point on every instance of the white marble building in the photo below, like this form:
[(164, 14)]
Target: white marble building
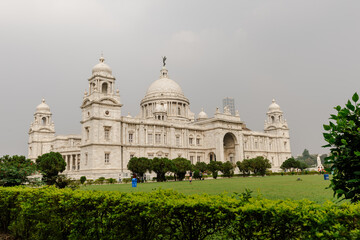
[(165, 127)]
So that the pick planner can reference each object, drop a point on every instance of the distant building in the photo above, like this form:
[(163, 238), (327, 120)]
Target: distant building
[(230, 102), (165, 127)]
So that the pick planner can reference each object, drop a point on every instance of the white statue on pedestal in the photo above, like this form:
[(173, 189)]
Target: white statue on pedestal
[(320, 167)]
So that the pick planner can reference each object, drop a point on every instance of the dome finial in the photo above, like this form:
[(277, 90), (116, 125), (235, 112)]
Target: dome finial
[(273, 100), (102, 59), (43, 100)]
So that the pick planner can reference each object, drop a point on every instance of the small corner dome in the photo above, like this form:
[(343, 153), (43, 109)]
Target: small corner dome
[(43, 107), (274, 106), (102, 67), (202, 115)]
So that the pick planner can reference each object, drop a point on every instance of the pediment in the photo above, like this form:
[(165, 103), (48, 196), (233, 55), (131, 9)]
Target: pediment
[(108, 101)]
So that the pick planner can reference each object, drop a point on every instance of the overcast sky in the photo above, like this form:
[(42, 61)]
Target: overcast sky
[(305, 54)]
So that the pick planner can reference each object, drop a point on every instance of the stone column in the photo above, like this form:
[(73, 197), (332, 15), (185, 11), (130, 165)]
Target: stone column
[(70, 162)]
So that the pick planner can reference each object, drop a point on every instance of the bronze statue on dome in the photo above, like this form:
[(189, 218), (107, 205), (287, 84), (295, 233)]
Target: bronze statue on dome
[(164, 59)]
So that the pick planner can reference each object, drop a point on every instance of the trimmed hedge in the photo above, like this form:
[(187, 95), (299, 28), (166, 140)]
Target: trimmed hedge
[(50, 213)]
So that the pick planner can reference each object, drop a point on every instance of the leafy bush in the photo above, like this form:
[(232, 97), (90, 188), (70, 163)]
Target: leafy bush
[(169, 178), (196, 174), (111, 180), (51, 213), (100, 180), (82, 179), (214, 167), (89, 182), (343, 137), (15, 170), (227, 169), (62, 181), (126, 180)]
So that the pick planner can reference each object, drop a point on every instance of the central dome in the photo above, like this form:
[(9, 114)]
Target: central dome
[(164, 85)]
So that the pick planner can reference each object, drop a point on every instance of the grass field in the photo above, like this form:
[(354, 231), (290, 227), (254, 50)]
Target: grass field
[(312, 187)]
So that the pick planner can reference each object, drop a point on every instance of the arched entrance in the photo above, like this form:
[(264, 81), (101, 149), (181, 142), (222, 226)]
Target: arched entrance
[(212, 157), (229, 147)]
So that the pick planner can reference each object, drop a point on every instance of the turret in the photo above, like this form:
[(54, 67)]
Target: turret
[(276, 125), (101, 114), (41, 132)]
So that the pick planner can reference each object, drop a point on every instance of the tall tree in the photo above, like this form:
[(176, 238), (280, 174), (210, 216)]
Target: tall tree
[(343, 137), (161, 166), (139, 166), (201, 166), (244, 166), (227, 169), (259, 165), (181, 166), (50, 165), (214, 167), (290, 164), (15, 170), (306, 154)]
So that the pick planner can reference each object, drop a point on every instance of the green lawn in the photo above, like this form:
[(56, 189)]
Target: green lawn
[(312, 187)]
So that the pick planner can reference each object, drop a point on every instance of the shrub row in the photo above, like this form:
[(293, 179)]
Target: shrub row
[(50, 213)]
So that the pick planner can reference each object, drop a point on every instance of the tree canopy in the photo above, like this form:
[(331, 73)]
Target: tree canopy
[(161, 166), (201, 166), (180, 167), (290, 164), (343, 137), (50, 165), (15, 170), (214, 167), (227, 169), (139, 166), (259, 165)]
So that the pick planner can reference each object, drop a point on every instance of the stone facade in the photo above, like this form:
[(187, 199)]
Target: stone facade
[(165, 127)]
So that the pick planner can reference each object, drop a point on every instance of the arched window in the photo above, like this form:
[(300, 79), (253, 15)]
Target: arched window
[(43, 121), (179, 111), (272, 119), (104, 88)]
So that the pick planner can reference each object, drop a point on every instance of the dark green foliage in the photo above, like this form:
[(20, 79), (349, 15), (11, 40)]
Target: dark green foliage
[(15, 170), (62, 181), (82, 179), (50, 165), (343, 137), (50, 213), (256, 165), (214, 167), (290, 164), (139, 166), (244, 167), (227, 169), (197, 174), (161, 166), (180, 167), (100, 180), (111, 180), (201, 166), (302, 166)]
